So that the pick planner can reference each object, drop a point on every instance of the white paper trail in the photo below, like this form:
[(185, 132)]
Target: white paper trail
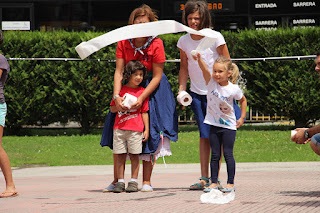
[(85, 49)]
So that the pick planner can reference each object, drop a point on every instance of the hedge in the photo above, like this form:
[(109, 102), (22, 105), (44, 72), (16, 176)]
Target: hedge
[(43, 92)]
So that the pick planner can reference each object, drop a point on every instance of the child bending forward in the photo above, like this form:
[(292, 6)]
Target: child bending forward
[(221, 117), (131, 127)]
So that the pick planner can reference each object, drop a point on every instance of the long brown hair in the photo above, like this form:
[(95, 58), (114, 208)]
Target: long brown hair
[(202, 7)]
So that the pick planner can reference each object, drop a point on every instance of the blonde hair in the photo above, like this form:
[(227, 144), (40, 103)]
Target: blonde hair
[(230, 67), (143, 10)]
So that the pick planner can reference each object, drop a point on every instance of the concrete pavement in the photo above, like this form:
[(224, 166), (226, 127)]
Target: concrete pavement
[(260, 187)]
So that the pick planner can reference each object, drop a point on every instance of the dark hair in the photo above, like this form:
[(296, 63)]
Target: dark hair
[(202, 7), (132, 67), (1, 37), (143, 10), (318, 53)]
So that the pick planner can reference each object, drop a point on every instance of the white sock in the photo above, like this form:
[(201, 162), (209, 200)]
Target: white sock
[(135, 180), (121, 180)]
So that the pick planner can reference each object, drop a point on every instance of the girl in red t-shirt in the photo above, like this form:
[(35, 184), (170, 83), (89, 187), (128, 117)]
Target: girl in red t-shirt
[(162, 108)]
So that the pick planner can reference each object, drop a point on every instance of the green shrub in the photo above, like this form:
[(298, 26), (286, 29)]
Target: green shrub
[(42, 92)]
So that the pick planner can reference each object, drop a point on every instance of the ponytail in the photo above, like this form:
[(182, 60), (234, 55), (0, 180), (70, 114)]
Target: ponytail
[(235, 73)]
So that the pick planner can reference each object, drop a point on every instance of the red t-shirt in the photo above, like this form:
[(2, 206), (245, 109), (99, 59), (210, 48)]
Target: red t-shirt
[(131, 120), (153, 54)]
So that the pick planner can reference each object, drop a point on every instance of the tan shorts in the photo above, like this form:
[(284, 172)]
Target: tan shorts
[(127, 141)]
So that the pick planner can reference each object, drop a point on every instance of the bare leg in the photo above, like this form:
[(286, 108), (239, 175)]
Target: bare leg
[(120, 165), (315, 148), (5, 167), (205, 151), (115, 171), (147, 171), (134, 166)]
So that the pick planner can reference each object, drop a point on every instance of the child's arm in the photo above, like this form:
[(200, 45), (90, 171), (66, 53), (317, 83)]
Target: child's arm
[(145, 118), (113, 109), (243, 106), (205, 71)]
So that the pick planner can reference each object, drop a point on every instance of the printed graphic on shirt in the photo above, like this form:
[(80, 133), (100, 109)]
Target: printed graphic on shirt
[(226, 109)]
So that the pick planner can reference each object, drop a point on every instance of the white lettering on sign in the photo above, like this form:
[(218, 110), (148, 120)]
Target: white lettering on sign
[(267, 22), (267, 28), (304, 4), (265, 5), (304, 21)]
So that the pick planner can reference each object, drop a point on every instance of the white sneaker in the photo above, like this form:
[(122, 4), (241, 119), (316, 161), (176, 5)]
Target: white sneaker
[(109, 188), (146, 188)]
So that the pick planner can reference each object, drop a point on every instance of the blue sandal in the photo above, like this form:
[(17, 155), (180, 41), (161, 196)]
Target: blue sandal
[(198, 186)]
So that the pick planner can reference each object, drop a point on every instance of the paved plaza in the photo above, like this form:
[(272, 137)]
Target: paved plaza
[(260, 187)]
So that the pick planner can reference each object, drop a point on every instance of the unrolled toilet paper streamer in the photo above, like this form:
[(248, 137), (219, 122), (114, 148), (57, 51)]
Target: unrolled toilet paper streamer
[(129, 100), (85, 49), (184, 98)]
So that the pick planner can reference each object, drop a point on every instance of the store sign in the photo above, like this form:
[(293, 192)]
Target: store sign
[(304, 22), (304, 4), (284, 7), (266, 23), (15, 25), (213, 6), (265, 6)]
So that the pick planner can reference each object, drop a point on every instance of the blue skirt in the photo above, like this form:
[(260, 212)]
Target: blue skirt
[(163, 117)]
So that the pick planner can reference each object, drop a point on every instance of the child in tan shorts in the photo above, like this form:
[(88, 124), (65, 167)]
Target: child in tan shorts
[(131, 127)]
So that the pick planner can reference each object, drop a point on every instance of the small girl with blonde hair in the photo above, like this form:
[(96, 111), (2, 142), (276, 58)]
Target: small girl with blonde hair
[(222, 89)]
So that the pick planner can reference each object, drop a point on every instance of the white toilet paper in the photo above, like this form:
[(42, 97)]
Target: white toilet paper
[(142, 30), (184, 98), (205, 42), (293, 132), (129, 100)]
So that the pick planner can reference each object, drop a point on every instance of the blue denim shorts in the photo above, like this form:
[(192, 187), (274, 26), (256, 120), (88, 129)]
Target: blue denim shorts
[(199, 108), (3, 113), (316, 139)]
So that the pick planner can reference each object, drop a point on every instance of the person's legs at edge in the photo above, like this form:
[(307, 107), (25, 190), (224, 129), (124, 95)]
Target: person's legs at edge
[(6, 169)]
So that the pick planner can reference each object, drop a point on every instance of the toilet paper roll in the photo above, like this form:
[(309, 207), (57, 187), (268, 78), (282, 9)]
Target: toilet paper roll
[(184, 98), (293, 132), (85, 49), (129, 100)]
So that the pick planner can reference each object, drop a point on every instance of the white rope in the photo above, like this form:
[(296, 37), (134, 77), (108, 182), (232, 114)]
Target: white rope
[(307, 57)]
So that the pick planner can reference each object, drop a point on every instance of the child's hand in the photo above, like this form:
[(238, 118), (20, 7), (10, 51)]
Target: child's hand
[(196, 56), (145, 136), (240, 122), (119, 105)]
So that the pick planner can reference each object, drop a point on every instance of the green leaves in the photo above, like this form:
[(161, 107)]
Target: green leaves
[(290, 88), (42, 92)]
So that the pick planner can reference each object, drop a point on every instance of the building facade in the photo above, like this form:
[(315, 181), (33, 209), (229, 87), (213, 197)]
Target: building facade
[(110, 14)]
